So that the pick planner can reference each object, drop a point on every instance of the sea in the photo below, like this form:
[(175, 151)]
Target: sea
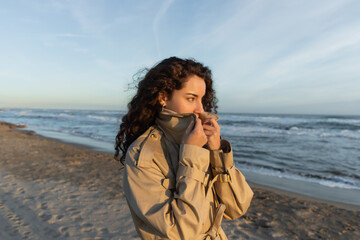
[(313, 155)]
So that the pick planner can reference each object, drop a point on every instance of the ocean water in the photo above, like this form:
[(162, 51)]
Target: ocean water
[(316, 155)]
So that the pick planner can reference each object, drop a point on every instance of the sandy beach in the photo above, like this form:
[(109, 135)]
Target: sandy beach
[(54, 190)]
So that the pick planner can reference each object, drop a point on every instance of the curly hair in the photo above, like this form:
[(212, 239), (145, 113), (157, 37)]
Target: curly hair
[(165, 77)]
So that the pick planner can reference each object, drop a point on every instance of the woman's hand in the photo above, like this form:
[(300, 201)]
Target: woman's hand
[(212, 131), (195, 135)]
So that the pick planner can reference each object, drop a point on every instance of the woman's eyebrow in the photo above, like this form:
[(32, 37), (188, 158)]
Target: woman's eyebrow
[(192, 94)]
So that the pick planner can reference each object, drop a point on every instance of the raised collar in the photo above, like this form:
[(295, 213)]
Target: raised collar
[(174, 124)]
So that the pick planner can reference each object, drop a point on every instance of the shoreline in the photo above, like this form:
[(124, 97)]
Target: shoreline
[(57, 189), (63, 138), (86, 145)]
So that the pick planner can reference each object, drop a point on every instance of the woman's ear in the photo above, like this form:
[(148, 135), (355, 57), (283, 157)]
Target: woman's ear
[(162, 99)]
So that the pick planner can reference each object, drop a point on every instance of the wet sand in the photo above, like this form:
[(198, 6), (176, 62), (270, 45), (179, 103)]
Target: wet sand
[(55, 190)]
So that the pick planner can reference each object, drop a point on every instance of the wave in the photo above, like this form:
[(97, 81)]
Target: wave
[(336, 125), (88, 135), (113, 112), (231, 130), (260, 120), (351, 123), (344, 121), (79, 133), (68, 115), (45, 115), (329, 181), (103, 118)]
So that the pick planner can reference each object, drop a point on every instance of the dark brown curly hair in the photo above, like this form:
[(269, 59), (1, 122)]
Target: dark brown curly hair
[(165, 77)]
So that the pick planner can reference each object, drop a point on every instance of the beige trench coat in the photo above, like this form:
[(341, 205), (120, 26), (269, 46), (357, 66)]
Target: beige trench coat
[(181, 191)]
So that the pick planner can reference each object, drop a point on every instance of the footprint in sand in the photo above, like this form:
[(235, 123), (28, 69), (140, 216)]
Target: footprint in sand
[(77, 218), (27, 234), (20, 190), (74, 212), (44, 216), (87, 229), (17, 219), (63, 229), (103, 231), (55, 218), (42, 205), (73, 196), (85, 224)]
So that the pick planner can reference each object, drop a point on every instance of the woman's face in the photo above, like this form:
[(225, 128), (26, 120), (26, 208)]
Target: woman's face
[(188, 99)]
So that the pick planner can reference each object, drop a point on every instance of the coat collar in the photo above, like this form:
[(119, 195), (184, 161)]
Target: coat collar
[(174, 124)]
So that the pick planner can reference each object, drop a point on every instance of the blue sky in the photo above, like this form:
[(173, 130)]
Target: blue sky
[(266, 56)]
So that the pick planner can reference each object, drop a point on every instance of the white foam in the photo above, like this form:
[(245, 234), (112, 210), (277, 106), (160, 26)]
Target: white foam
[(316, 133), (103, 118), (346, 121), (66, 115), (340, 183), (270, 118), (30, 113)]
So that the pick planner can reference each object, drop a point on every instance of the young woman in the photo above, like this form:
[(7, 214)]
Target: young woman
[(179, 175)]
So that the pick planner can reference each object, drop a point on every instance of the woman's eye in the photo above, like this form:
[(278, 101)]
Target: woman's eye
[(191, 99)]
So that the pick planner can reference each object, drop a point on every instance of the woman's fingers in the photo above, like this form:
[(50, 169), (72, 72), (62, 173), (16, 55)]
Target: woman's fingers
[(211, 127), (195, 135), (201, 132), (212, 131), (209, 132), (198, 125), (215, 124)]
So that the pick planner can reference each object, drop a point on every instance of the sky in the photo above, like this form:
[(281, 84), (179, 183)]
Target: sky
[(266, 56)]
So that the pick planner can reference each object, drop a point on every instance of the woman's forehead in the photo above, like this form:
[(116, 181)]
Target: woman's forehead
[(195, 84)]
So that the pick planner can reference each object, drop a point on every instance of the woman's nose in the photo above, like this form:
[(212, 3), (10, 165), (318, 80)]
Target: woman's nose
[(199, 108)]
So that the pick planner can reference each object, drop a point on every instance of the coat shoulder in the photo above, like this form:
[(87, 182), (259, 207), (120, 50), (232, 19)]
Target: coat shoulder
[(142, 150)]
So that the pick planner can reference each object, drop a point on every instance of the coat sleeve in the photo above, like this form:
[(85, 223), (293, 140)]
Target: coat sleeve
[(175, 214), (232, 188)]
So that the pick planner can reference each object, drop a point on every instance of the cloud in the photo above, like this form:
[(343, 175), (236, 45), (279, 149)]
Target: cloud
[(160, 14), (316, 56), (66, 41), (88, 14)]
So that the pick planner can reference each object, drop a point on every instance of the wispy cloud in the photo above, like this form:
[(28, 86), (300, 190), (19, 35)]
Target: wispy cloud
[(312, 55), (66, 41), (89, 15), (156, 23)]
